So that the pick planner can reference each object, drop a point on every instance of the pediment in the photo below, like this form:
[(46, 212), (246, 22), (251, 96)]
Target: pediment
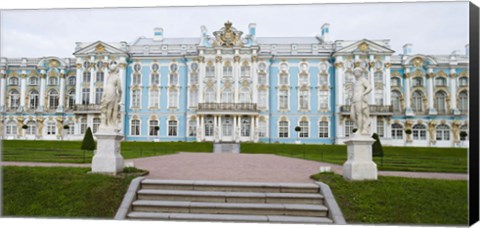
[(98, 48), (365, 46)]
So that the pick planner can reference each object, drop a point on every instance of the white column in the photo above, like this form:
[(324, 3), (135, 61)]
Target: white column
[(42, 91), (256, 129), (431, 109), (92, 82), (220, 130), (215, 128), (234, 131), (61, 99), (198, 128), (371, 76), (78, 83), (201, 79), (252, 128), (339, 81), (218, 77), (388, 89), (3, 91), (236, 76), (254, 77), (408, 108), (453, 93), (23, 89)]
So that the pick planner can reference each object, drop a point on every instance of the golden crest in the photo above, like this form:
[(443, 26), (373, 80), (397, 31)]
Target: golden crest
[(99, 48), (53, 63), (363, 46), (417, 62), (228, 36)]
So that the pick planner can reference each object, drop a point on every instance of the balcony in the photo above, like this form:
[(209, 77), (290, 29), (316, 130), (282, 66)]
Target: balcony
[(379, 110), (86, 108), (227, 107)]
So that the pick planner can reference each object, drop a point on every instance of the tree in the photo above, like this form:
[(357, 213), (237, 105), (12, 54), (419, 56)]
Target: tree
[(88, 142), (377, 149), (298, 129)]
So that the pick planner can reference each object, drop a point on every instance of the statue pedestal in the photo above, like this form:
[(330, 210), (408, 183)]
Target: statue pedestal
[(107, 158), (360, 165)]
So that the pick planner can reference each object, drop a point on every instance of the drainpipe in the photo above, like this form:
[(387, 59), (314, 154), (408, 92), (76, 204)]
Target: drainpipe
[(270, 99), (186, 96)]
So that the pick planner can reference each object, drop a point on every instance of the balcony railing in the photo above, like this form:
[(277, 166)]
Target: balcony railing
[(374, 109), (86, 108), (227, 107)]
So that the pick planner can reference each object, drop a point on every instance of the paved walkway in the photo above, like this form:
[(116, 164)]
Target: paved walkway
[(240, 167)]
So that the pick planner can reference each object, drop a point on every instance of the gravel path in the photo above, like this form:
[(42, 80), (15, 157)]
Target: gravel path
[(238, 167)]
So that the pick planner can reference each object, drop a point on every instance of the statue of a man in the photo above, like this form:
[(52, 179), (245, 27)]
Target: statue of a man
[(360, 110), (112, 94)]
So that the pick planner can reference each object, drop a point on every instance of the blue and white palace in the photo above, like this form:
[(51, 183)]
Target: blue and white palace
[(231, 85)]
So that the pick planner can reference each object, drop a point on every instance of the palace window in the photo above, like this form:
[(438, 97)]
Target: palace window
[(51, 129), (245, 70), (71, 99), (378, 77), (303, 78), (380, 128), (87, 76), (440, 102), (136, 99), (53, 99), (463, 81), (323, 100), (442, 132), (283, 129), (152, 124), (463, 101), (210, 95), (262, 79), (137, 67), (397, 131), (11, 128), (418, 81), (262, 128), (98, 95), (194, 66), (396, 104), (31, 128), (283, 78), (13, 81), (83, 125), (154, 98), (417, 101), (304, 100), (245, 127), (262, 98), (227, 70), (33, 81), (172, 128), (34, 98), (349, 77), (379, 96), (96, 124), (85, 96), (155, 79), (193, 78), (155, 67), (419, 132), (135, 127), (173, 79), (174, 67), (193, 98), (348, 127), (323, 129), (100, 76), (395, 82), (71, 128), (173, 99), (323, 78), (137, 79), (72, 81), (440, 81), (192, 128), (14, 99), (208, 122), (244, 95), (304, 129), (210, 70), (53, 81), (283, 99), (464, 128)]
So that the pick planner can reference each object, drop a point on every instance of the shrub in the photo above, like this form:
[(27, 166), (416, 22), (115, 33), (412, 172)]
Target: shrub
[(408, 131), (298, 128), (66, 127), (24, 126), (463, 134), (377, 149), (354, 130), (88, 141)]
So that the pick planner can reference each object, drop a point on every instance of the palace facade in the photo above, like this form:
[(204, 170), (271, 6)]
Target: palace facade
[(234, 86)]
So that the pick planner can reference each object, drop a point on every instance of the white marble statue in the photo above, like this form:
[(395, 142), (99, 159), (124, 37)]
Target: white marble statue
[(360, 111), (110, 105)]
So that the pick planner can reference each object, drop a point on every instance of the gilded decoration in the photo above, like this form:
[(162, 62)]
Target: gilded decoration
[(417, 62), (430, 75), (218, 59), (339, 65), (99, 48), (236, 59), (53, 63), (228, 36), (387, 65), (363, 46), (452, 76)]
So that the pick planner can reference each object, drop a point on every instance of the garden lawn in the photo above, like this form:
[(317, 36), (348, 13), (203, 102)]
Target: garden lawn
[(418, 159), (397, 200), (61, 192), (70, 152)]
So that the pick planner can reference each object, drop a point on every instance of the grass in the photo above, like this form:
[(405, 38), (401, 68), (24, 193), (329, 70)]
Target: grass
[(70, 152), (396, 200), (61, 192), (418, 159)]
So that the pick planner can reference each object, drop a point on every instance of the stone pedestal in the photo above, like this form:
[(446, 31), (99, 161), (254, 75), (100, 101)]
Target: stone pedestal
[(107, 158), (360, 165)]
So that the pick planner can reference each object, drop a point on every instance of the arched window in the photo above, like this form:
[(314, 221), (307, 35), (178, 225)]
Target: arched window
[(87, 76), (192, 127), (440, 81), (155, 79), (463, 101), (440, 103), (172, 128), (137, 67), (100, 76), (262, 98), (262, 128), (304, 99), (304, 129), (98, 95), (245, 126), (154, 98), (442, 132), (210, 70), (210, 95), (135, 127), (85, 96), (155, 67), (53, 99), (14, 99), (323, 129), (33, 100), (380, 127), (283, 78), (72, 81), (11, 128), (33, 81), (417, 101), (283, 99), (245, 95), (173, 79), (51, 129), (227, 96), (463, 81), (137, 79), (31, 128), (71, 99), (136, 98), (396, 104), (303, 78), (151, 126), (419, 132), (323, 99), (208, 122), (348, 127), (13, 81), (83, 125), (418, 81), (397, 131), (173, 99), (395, 82), (245, 70), (283, 129), (227, 70)]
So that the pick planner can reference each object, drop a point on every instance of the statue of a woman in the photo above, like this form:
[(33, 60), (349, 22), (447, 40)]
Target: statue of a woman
[(112, 94), (360, 110)]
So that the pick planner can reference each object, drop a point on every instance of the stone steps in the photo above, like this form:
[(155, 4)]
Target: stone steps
[(225, 147), (149, 199)]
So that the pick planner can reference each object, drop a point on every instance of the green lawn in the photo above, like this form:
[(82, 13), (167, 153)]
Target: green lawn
[(420, 159), (69, 151), (396, 200), (61, 192)]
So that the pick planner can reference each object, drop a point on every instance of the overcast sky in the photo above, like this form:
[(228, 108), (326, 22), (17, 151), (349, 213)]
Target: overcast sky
[(432, 27)]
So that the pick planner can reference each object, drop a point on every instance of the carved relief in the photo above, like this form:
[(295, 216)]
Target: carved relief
[(431, 130)]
